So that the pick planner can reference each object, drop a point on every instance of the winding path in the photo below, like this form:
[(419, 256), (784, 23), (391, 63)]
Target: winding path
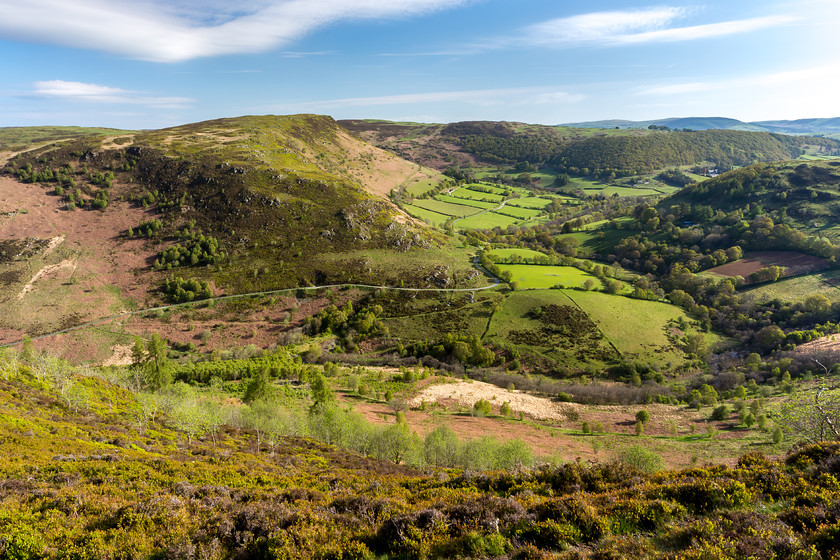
[(496, 281)]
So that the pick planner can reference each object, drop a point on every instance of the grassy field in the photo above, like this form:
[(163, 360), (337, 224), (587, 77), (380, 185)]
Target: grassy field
[(448, 208), (610, 190), (464, 192), (600, 240), (638, 329), (422, 187), (487, 220), (507, 253), (543, 277), (535, 202), (435, 218), (467, 202), (798, 289), (521, 213), (573, 341), (488, 186)]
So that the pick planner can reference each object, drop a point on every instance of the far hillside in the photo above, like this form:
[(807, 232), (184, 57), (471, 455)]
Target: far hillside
[(598, 153)]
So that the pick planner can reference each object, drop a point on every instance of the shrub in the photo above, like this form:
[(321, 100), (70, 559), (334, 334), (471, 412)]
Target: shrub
[(643, 416), (482, 408), (720, 413), (640, 458)]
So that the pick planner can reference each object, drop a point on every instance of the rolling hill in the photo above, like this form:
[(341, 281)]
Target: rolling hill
[(812, 127), (97, 224), (582, 151)]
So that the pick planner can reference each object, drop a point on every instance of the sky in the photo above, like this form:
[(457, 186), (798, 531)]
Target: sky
[(145, 64)]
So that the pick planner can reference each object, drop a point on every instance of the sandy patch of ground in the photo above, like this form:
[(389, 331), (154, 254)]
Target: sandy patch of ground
[(121, 356), (556, 435), (54, 242), (468, 393), (49, 271)]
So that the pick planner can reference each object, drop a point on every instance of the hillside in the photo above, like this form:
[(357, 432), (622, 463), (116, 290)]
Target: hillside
[(582, 151), (804, 195), (813, 127), (95, 226)]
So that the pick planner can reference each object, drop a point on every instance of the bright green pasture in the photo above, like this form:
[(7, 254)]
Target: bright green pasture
[(798, 289), (598, 241), (592, 226), (467, 202), (447, 208), (533, 202), (507, 253), (464, 192), (542, 277), (665, 189), (426, 215), (637, 328), (492, 188), (521, 213), (609, 190), (422, 187), (487, 220), (513, 326)]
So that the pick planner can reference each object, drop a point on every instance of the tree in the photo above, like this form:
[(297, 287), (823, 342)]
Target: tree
[(151, 362), (643, 416), (769, 337), (395, 442), (441, 447), (720, 413), (322, 395), (482, 408), (813, 417), (259, 388)]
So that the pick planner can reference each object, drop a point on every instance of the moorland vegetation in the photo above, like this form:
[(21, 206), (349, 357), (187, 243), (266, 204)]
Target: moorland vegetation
[(660, 318)]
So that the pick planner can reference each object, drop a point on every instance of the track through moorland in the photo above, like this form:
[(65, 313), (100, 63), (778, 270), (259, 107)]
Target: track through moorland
[(496, 282)]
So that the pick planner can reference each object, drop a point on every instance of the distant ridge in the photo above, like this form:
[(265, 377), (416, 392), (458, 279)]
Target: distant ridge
[(822, 126)]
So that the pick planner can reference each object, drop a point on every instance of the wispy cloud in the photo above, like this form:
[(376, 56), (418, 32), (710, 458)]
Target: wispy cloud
[(177, 31), (754, 96), (748, 83), (503, 96), (79, 91), (637, 26)]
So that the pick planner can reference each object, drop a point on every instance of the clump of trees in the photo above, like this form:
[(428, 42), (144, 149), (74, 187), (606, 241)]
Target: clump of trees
[(179, 290), (201, 250)]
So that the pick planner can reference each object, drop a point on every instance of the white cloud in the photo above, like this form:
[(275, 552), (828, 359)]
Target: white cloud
[(172, 32), (79, 91), (637, 26)]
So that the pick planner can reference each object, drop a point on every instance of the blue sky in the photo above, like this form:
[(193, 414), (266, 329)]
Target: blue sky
[(156, 63)]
